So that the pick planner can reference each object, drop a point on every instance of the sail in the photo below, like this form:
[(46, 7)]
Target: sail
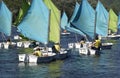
[(74, 13), (64, 20), (85, 19), (5, 19), (36, 22), (119, 23), (54, 33), (113, 19), (102, 20), (22, 12), (73, 29)]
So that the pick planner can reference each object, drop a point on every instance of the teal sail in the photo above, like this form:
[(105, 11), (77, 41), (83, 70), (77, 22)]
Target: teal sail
[(85, 19), (64, 20), (102, 20), (118, 24), (35, 24), (5, 19), (74, 13), (72, 29)]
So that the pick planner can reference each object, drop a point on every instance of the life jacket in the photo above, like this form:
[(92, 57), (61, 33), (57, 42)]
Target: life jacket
[(38, 53), (97, 43), (57, 47)]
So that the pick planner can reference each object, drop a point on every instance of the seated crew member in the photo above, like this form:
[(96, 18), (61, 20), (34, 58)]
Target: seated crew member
[(37, 52), (56, 48), (96, 44)]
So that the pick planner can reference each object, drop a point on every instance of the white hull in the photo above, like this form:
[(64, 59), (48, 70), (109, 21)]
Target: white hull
[(111, 37), (6, 46), (21, 57), (71, 45), (46, 56), (87, 51), (67, 33), (32, 58), (19, 44), (26, 44)]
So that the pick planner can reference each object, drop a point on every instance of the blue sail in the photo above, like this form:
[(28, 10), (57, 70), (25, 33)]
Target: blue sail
[(72, 29), (64, 20), (118, 24), (5, 19), (102, 20), (74, 13), (85, 19), (35, 24)]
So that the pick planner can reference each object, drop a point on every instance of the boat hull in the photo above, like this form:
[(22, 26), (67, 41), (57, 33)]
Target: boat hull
[(35, 59), (88, 51), (61, 55)]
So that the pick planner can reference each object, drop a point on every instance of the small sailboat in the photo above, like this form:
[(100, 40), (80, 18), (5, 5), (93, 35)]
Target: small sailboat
[(64, 22), (54, 34), (102, 18), (5, 23), (35, 26), (113, 25), (38, 25), (73, 29), (85, 22)]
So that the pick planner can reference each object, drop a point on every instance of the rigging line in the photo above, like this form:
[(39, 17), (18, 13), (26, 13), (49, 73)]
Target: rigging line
[(76, 37), (3, 36)]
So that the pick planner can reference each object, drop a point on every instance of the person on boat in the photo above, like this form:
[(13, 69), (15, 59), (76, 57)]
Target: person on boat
[(37, 52), (56, 48), (96, 44), (8, 41), (82, 42)]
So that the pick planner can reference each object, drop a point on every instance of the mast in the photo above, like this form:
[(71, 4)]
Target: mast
[(95, 24)]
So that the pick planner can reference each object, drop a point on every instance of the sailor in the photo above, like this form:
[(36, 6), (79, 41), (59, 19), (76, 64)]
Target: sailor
[(8, 41), (82, 42), (37, 52), (96, 44), (56, 48)]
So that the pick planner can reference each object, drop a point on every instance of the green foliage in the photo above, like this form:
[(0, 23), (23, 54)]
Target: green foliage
[(67, 5)]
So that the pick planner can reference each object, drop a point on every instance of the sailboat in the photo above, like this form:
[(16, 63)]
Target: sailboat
[(85, 22), (102, 18), (113, 27), (73, 29), (35, 26), (54, 33), (64, 22), (5, 22)]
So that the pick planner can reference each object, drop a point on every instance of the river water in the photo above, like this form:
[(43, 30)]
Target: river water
[(107, 65)]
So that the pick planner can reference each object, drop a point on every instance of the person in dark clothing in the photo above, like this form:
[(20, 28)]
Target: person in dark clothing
[(56, 48)]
